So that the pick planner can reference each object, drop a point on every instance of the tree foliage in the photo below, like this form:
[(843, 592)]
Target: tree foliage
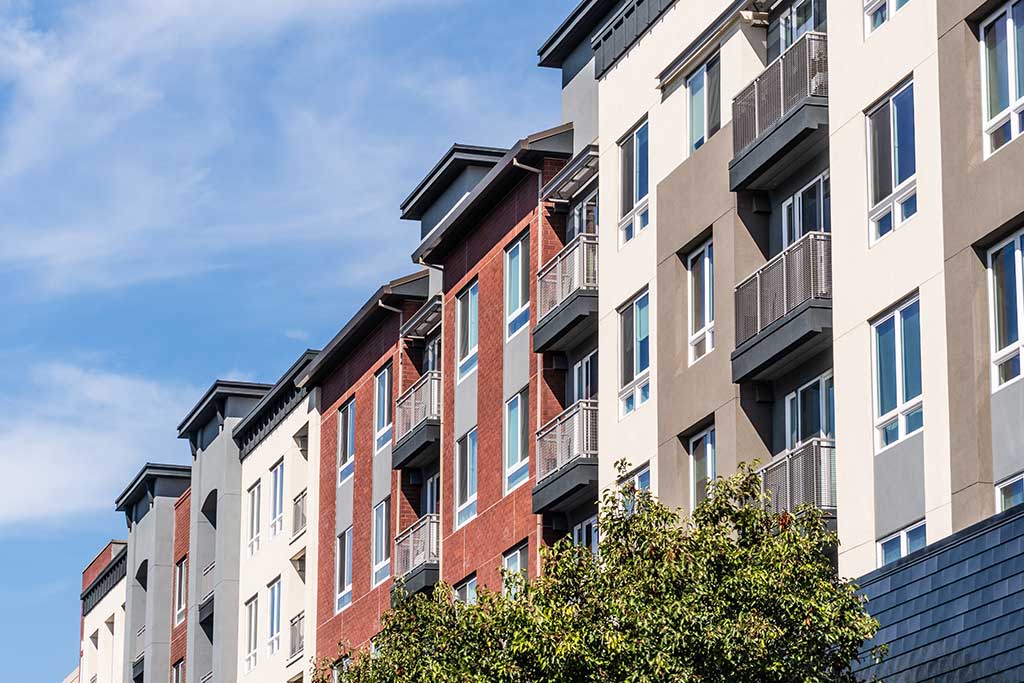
[(734, 593)]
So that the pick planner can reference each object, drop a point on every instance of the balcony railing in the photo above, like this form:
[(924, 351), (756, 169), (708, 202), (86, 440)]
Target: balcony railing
[(802, 71), (420, 402), (800, 273), (571, 435), (805, 475), (573, 268), (418, 545), (297, 635), (206, 584), (299, 513)]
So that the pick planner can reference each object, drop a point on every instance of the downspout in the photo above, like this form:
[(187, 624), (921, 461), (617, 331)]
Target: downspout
[(401, 342)]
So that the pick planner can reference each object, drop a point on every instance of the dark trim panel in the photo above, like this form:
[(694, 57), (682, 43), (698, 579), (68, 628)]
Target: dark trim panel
[(422, 578), (567, 323), (419, 446), (105, 582), (782, 149), (785, 343), (568, 488)]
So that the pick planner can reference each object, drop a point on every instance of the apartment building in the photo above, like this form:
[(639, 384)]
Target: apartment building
[(101, 655), (179, 587), (278, 446)]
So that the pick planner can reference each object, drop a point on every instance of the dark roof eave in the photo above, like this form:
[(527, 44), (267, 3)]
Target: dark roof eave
[(105, 571), (149, 471), (286, 381), (587, 16), (457, 158), (219, 388)]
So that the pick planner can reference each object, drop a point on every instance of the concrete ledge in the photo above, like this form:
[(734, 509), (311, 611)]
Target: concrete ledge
[(568, 323), (785, 343), (422, 578), (782, 148), (419, 446), (569, 487)]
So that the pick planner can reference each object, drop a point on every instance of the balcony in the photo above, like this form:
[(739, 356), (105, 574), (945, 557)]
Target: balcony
[(418, 423), (417, 553), (804, 476), (781, 119), (567, 296), (296, 636), (784, 311), (567, 460)]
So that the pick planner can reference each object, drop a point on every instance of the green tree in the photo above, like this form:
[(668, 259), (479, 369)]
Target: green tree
[(734, 593)]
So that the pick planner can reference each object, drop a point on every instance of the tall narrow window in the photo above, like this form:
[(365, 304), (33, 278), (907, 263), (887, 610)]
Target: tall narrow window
[(517, 286), (704, 86), (893, 158), (180, 591), (252, 637), (515, 562), (343, 570), (432, 354), (809, 210), (1010, 493), (274, 621), (701, 266), (810, 412), (1006, 305), (585, 534), (277, 499), (584, 378), (467, 324), (702, 466), (583, 218), (432, 494), (382, 407), (635, 179), (635, 335), (465, 592), (517, 443), (346, 441), (465, 474), (381, 541), (902, 543), (897, 346), (254, 519), (178, 672)]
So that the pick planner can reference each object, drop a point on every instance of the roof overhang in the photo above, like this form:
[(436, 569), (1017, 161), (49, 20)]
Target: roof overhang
[(142, 481), (584, 19), (573, 177), (424, 321), (454, 162), (282, 387), (687, 60), (207, 407)]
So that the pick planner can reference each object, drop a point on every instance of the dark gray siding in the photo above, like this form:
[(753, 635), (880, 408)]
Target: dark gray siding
[(628, 24)]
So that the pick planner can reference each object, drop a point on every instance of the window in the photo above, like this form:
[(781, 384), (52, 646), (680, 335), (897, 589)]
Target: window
[(1010, 493), (704, 86), (809, 210), (584, 378), (515, 561), (343, 570), (277, 499), (467, 324), (1006, 308), (585, 534), (802, 17), (702, 466), (893, 161), (178, 672), (254, 519), (274, 637), (902, 543), (382, 407), (252, 609), (1002, 78), (877, 12), (897, 342), (465, 473), (583, 218), (465, 592), (811, 412), (432, 354), (517, 287), (346, 441), (635, 212), (180, 591), (701, 266), (432, 494), (381, 541), (641, 479), (636, 358), (517, 441)]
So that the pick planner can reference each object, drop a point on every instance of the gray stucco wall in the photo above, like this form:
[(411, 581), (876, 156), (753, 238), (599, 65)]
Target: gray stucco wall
[(515, 367), (1008, 431), (899, 486), (381, 474), (465, 405), (579, 96)]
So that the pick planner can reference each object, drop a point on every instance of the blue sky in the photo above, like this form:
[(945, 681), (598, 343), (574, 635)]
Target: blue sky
[(194, 189)]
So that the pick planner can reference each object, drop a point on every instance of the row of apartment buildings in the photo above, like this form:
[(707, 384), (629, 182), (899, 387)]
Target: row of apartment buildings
[(775, 231)]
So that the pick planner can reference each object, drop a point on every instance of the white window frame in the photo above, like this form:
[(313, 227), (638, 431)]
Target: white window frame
[(789, 18), (180, 590), (1015, 479), (274, 616), (901, 193), (581, 387), (468, 586), (872, 6), (254, 500), (518, 319), (515, 560), (346, 446), (178, 672), (707, 435), (277, 499), (635, 477), (639, 216), (579, 534), (1013, 349), (903, 407), (796, 202), (431, 494), (706, 333), (382, 423), (577, 222), (702, 72), (637, 391), (465, 510), (1013, 113), (517, 473), (382, 541), (252, 615), (343, 569), (794, 397), (902, 535), (466, 359)]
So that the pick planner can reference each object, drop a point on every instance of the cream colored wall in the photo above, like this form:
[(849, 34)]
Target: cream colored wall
[(274, 556), (870, 279), (106, 660)]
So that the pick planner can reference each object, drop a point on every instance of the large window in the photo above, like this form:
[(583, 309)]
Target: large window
[(467, 323), (465, 592), (465, 477), (702, 466), (180, 590), (277, 499), (1006, 303), (893, 161), (515, 561), (274, 622), (254, 519), (877, 12), (252, 638), (382, 541), (635, 180), (382, 407), (585, 534), (635, 360), (701, 267), (811, 412), (517, 441), (346, 441), (1010, 493), (705, 86), (1002, 84), (800, 18), (902, 543), (897, 353), (809, 210), (343, 570), (517, 286)]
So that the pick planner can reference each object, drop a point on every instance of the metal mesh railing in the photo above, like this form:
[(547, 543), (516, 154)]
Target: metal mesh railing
[(800, 72), (571, 435), (418, 545), (573, 268), (297, 635), (299, 513), (420, 402), (805, 475), (800, 273)]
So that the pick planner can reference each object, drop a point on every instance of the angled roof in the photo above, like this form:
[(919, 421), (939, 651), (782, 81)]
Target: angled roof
[(584, 19), (455, 160), (283, 390), (206, 408), (150, 472)]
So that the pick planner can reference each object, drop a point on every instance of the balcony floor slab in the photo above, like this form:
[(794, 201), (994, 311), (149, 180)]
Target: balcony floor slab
[(568, 323), (785, 343), (569, 487), (784, 147), (419, 446)]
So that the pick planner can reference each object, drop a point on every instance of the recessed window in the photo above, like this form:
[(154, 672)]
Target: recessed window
[(877, 12), (465, 592), (277, 499), (346, 441), (1010, 493), (702, 466), (797, 20), (897, 351), (704, 87), (515, 561), (254, 519), (1006, 308), (517, 287), (343, 570), (274, 622), (811, 412), (893, 161), (382, 407), (178, 672), (584, 378), (252, 612), (1002, 83), (902, 543), (180, 590), (431, 494), (634, 155), (809, 210), (635, 359), (517, 441), (701, 267), (467, 322), (465, 477), (381, 541), (583, 218), (641, 479), (585, 534)]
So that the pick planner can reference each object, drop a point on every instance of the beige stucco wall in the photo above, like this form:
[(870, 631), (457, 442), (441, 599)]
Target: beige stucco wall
[(105, 660)]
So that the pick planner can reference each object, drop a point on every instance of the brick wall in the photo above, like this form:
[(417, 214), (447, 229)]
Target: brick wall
[(179, 632), (100, 562)]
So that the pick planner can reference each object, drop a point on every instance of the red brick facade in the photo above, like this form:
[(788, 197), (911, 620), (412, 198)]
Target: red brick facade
[(100, 562), (179, 632)]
